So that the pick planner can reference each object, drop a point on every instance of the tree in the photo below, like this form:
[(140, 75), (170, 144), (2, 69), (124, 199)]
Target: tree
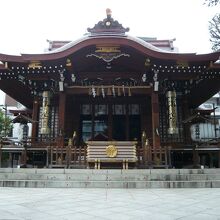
[(5, 124), (214, 26), (214, 30), (212, 2)]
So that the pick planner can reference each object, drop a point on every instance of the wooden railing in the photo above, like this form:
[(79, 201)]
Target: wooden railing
[(150, 157), (67, 157), (74, 156)]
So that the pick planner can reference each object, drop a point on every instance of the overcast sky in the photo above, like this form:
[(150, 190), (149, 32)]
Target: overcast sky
[(27, 24)]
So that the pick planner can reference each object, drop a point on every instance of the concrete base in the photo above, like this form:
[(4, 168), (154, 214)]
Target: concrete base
[(85, 178)]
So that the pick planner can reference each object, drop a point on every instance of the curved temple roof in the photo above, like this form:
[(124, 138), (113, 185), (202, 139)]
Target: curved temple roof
[(141, 45), (106, 33), (109, 31)]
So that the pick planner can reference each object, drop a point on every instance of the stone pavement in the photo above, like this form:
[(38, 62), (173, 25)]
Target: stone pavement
[(60, 204)]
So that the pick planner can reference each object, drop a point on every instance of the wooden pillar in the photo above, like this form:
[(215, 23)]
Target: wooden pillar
[(62, 108), (110, 118), (93, 121), (186, 114), (155, 119), (0, 155), (195, 158), (169, 156), (211, 155), (11, 157), (127, 123), (35, 114), (219, 158)]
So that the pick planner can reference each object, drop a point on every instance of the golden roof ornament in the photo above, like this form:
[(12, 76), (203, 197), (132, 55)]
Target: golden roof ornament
[(108, 12), (108, 26)]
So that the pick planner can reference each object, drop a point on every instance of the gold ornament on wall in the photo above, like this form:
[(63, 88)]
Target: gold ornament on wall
[(172, 112), (35, 64), (45, 113)]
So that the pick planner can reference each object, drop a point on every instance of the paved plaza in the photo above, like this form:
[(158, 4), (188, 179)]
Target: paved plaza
[(58, 204)]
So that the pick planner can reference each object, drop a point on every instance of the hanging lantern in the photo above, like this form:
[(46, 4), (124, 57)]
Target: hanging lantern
[(45, 113), (90, 90), (6, 65), (109, 92), (123, 89), (172, 112), (98, 91), (93, 92), (113, 90)]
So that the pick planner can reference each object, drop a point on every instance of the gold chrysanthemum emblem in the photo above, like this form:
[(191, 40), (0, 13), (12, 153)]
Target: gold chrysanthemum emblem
[(111, 151)]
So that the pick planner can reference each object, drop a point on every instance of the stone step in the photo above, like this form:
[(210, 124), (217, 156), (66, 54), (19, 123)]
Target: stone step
[(109, 177), (89, 178), (107, 171), (109, 184)]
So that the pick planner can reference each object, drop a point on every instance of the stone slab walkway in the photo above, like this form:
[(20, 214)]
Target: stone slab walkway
[(65, 204)]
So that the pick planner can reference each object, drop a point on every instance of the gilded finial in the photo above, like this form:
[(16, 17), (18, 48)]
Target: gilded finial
[(74, 134), (70, 142), (108, 12), (68, 63)]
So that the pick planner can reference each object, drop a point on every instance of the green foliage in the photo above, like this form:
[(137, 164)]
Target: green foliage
[(5, 124), (214, 30)]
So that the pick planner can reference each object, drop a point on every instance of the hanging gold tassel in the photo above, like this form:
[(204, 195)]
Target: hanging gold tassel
[(90, 91), (6, 65), (93, 92), (129, 91), (98, 91), (123, 89), (119, 91), (109, 92), (113, 90), (103, 92)]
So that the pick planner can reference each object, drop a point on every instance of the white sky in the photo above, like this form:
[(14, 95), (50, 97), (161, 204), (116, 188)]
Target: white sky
[(26, 24)]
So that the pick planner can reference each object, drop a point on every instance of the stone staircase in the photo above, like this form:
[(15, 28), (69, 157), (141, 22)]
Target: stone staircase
[(90, 178)]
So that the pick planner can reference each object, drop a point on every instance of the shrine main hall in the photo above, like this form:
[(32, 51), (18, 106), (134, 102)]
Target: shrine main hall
[(111, 100)]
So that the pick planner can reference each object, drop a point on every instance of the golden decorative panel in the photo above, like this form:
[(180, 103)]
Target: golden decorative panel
[(107, 49), (172, 112), (35, 64)]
